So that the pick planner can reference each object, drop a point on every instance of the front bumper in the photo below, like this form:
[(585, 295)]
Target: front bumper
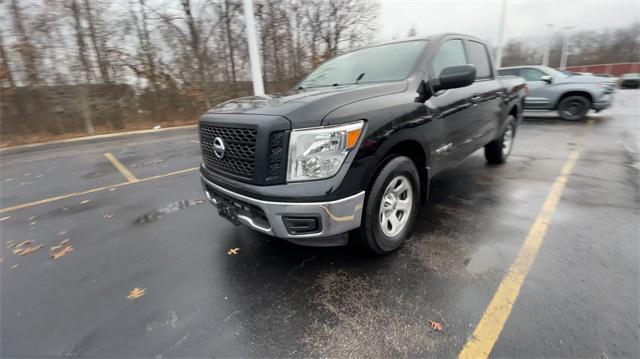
[(603, 102), (335, 217)]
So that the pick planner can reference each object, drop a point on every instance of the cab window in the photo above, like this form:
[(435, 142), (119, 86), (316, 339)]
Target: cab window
[(479, 57), (451, 53), (508, 72), (530, 74)]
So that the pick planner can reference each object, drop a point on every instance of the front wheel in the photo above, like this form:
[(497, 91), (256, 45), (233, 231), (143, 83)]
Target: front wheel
[(391, 207), (498, 150), (573, 108)]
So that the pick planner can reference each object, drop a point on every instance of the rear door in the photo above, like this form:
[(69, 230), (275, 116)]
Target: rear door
[(486, 95)]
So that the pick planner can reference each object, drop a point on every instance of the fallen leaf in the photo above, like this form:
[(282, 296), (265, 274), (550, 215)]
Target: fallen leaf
[(233, 251), (62, 232), (4, 218), (136, 293), (14, 266), (55, 254), (10, 243), (55, 248), (22, 244), (33, 223), (32, 218), (65, 209), (23, 251), (108, 216), (65, 241), (85, 201), (436, 326)]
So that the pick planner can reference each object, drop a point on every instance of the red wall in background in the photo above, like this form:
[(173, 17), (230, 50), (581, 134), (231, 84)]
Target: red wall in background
[(611, 69)]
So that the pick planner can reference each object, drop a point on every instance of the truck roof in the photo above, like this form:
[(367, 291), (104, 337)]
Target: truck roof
[(434, 37)]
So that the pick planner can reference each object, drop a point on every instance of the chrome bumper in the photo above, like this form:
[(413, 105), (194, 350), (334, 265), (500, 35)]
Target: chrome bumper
[(336, 217)]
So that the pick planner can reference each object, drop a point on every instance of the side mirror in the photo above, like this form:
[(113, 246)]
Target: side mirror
[(456, 76), (546, 78)]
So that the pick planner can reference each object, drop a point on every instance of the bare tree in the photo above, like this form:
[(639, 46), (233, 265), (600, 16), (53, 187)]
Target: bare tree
[(5, 72), (97, 42), (26, 50), (147, 55), (345, 21), (229, 14), (80, 40)]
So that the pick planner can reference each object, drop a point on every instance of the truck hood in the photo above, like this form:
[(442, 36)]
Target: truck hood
[(307, 107)]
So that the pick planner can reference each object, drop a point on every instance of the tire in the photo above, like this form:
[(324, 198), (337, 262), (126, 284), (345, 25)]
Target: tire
[(573, 108), (399, 201), (498, 150)]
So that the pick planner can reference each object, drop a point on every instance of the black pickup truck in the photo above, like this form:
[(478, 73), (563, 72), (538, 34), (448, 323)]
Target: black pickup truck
[(352, 148)]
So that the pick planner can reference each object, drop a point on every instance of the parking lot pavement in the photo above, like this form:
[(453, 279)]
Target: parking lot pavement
[(195, 297)]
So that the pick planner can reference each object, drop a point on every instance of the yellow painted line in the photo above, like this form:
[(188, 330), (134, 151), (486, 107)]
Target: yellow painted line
[(120, 167), (93, 190), (492, 322)]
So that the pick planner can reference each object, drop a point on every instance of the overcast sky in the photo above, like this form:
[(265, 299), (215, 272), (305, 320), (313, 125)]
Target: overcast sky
[(481, 18)]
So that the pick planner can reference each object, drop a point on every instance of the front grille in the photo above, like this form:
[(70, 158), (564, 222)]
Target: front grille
[(240, 149)]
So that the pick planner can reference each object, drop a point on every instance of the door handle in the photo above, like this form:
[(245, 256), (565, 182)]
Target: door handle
[(475, 98)]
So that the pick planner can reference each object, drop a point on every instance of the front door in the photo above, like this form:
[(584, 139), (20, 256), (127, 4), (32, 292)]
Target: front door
[(536, 99), (453, 108)]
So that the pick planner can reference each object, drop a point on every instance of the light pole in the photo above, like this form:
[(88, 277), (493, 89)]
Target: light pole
[(503, 18), (545, 56), (565, 47), (254, 59)]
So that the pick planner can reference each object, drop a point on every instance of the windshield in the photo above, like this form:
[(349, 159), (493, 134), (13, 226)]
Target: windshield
[(390, 62), (553, 72)]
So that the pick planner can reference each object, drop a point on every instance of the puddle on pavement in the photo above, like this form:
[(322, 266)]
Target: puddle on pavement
[(159, 212), (146, 163), (484, 259), (94, 174)]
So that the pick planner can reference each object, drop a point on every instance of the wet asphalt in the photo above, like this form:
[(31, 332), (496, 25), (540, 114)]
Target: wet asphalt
[(275, 299)]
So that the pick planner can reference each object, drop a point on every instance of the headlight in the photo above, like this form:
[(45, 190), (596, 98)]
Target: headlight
[(319, 152)]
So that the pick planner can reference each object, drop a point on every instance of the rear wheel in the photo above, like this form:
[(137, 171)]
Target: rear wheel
[(391, 207), (498, 150), (573, 108)]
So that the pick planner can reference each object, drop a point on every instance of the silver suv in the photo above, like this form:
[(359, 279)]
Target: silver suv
[(571, 96)]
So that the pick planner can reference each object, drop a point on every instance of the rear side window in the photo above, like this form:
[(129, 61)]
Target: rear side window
[(451, 53), (531, 74), (479, 57)]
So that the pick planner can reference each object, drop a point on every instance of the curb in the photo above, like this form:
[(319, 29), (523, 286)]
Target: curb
[(95, 137)]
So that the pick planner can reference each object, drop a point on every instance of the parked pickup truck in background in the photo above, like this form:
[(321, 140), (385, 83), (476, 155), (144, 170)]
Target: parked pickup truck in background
[(352, 148), (571, 96)]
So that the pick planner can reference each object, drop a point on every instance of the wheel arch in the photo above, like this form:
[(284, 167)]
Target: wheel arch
[(412, 149), (582, 93)]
